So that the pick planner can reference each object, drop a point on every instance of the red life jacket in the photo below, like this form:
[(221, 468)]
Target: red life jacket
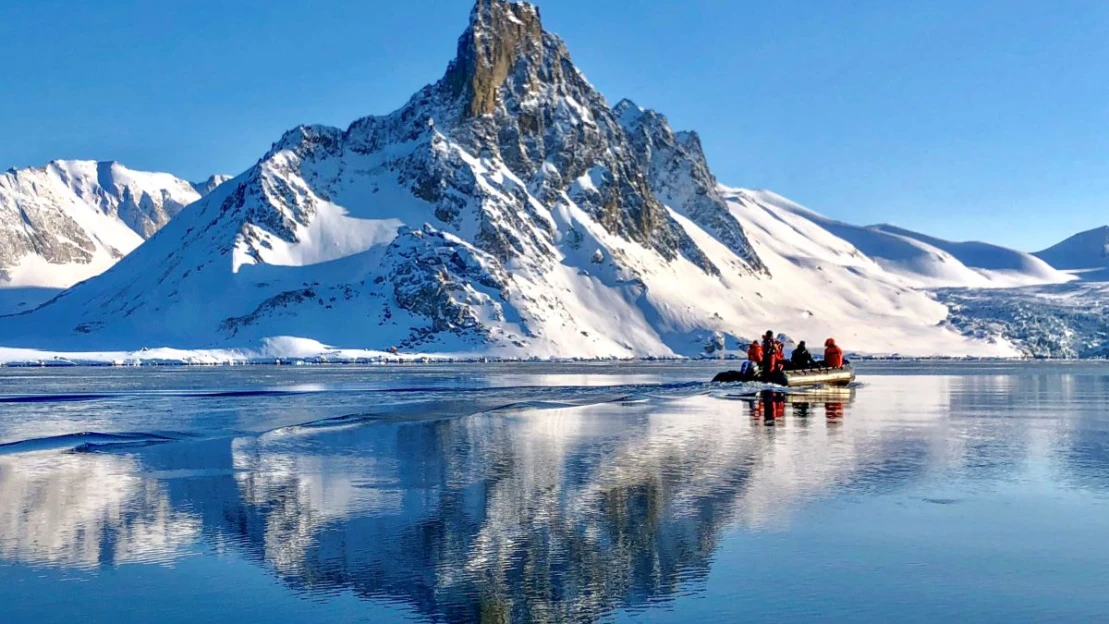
[(768, 356), (779, 356), (754, 353), (833, 356)]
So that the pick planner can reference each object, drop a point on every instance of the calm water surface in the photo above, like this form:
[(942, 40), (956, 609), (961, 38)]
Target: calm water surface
[(548, 493)]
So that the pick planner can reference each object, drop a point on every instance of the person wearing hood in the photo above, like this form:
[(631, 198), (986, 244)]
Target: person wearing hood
[(801, 358), (833, 355)]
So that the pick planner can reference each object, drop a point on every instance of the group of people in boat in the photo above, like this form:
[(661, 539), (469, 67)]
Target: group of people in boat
[(769, 356)]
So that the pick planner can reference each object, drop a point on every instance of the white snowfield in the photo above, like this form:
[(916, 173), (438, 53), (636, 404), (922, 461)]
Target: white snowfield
[(71, 220), (825, 285)]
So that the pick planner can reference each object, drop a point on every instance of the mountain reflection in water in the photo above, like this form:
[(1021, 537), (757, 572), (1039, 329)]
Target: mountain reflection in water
[(546, 511)]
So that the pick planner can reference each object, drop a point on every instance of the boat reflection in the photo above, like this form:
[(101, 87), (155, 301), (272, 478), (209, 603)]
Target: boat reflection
[(770, 406)]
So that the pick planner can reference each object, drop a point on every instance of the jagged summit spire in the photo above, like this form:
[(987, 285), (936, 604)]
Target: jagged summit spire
[(499, 32), (484, 9)]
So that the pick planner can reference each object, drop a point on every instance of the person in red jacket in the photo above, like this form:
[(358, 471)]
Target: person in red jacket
[(771, 355), (754, 352), (833, 355)]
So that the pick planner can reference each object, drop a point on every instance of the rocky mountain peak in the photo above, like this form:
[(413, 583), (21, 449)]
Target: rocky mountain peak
[(513, 96), (491, 207), (679, 175), (500, 31), (209, 185)]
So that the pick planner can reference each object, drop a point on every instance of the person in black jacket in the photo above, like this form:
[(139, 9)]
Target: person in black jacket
[(801, 357)]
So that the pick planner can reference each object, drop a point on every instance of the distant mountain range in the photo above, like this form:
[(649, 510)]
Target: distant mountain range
[(71, 220), (507, 210)]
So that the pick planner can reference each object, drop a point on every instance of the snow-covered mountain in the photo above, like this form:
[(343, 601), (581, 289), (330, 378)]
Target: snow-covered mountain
[(1056, 320), (72, 219), (209, 185), (507, 209), (928, 262), (1085, 254)]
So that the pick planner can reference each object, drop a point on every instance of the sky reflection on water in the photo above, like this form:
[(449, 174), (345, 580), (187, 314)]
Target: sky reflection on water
[(978, 493)]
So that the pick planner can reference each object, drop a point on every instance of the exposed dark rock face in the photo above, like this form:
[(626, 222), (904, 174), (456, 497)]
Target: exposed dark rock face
[(680, 177), (524, 101), (514, 94), (500, 32)]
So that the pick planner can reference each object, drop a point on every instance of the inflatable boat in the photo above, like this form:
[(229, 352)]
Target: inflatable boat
[(799, 378)]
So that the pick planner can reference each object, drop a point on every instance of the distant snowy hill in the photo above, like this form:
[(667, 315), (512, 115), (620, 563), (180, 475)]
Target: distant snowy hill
[(209, 185), (1001, 266), (508, 210), (1086, 254), (71, 220), (928, 262)]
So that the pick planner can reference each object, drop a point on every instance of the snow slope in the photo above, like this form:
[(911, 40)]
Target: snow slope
[(926, 262), (507, 210), (72, 219), (1085, 254), (1001, 265), (837, 290)]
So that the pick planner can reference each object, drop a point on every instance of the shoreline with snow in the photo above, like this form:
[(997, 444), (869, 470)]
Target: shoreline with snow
[(34, 358)]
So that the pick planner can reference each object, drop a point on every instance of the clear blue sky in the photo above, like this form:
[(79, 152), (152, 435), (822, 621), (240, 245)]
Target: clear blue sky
[(961, 118)]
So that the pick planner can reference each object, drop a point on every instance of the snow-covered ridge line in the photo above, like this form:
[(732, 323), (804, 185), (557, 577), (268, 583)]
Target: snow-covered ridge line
[(926, 261), (1085, 255)]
